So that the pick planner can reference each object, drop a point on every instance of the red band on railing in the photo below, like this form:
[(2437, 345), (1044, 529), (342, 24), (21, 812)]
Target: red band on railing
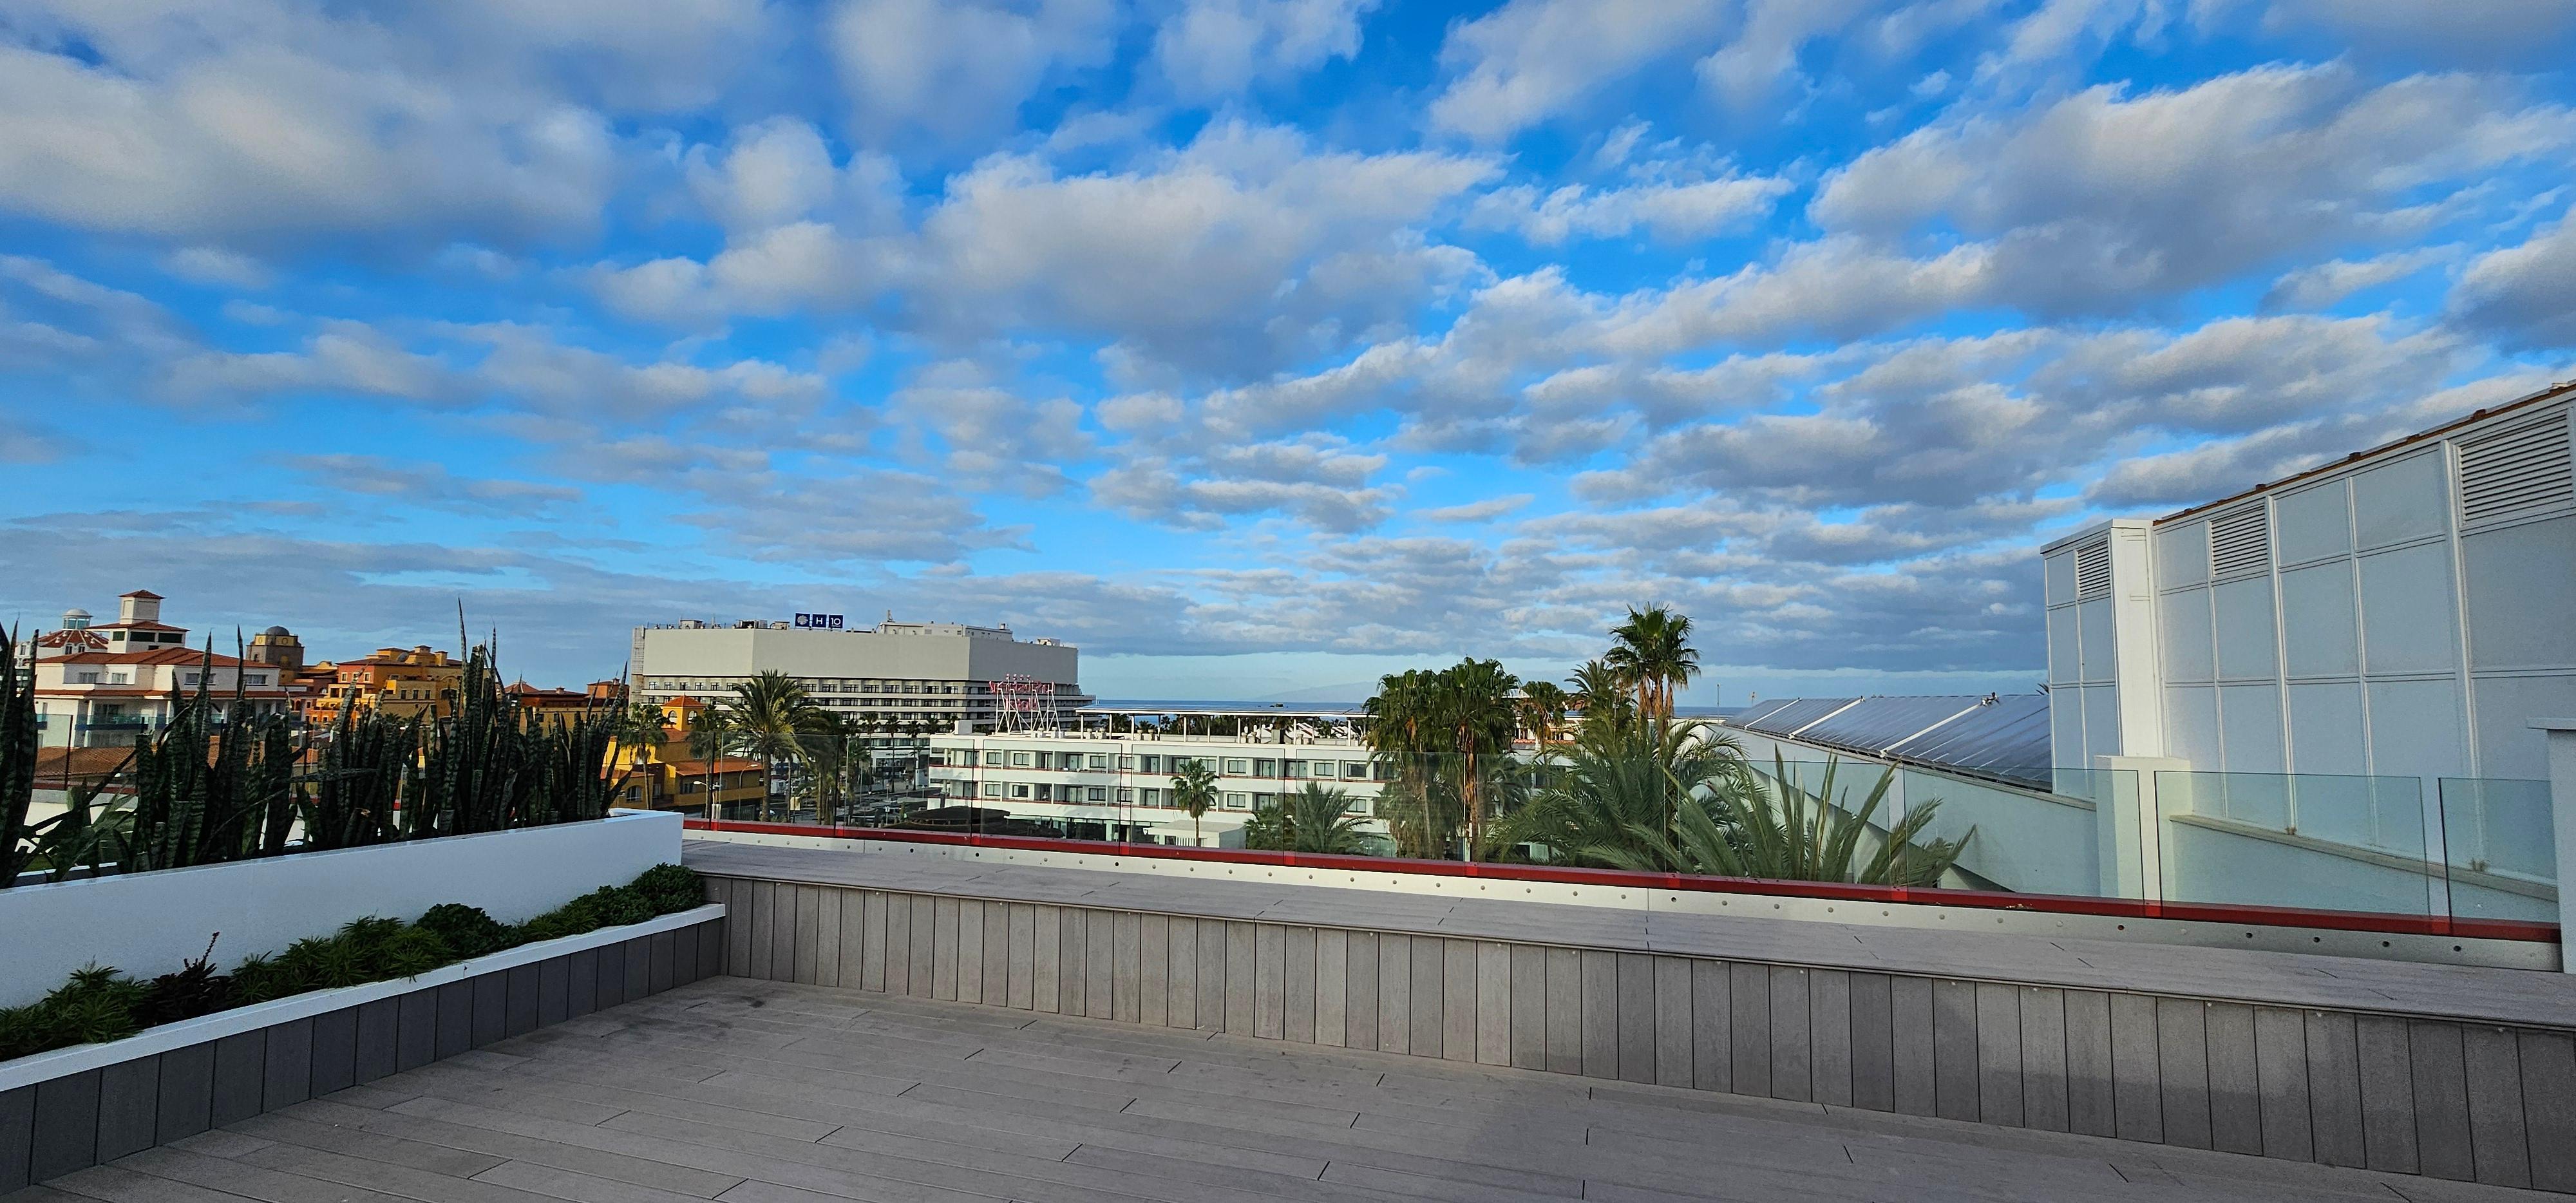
[(2058, 904)]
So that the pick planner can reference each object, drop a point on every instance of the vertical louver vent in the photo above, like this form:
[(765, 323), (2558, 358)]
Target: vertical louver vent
[(2516, 471), (2093, 570), (2240, 541)]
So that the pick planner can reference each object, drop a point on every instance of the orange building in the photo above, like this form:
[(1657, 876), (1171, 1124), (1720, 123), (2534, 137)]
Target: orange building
[(552, 705), (418, 683), (668, 777)]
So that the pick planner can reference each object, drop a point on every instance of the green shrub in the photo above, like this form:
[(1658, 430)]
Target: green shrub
[(467, 931), (672, 888), (98, 1004), (261, 978)]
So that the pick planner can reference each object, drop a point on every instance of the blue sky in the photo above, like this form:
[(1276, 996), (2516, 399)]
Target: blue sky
[(1257, 348)]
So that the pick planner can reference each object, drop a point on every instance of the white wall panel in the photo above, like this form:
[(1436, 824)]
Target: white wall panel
[(2191, 725), (2415, 730), (2059, 571), (2182, 554), (2249, 719), (2408, 499), (2520, 583), (2320, 633), (2101, 658), (2311, 524), (2065, 648), (2326, 729), (2407, 619), (2066, 729), (2247, 643), (2101, 721), (2188, 653), (2507, 746)]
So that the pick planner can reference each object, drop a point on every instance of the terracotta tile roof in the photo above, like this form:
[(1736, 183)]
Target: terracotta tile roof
[(165, 655)]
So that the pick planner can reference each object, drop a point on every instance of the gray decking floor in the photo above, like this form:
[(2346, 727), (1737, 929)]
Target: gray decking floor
[(763, 1092)]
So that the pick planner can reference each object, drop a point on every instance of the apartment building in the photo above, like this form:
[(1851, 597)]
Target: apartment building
[(1099, 784), (422, 682), (107, 684)]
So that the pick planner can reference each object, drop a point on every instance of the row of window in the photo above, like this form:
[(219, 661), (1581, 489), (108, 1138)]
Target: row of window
[(1122, 795), (1231, 766), (816, 685)]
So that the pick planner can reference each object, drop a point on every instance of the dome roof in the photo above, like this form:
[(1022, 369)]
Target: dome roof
[(277, 631)]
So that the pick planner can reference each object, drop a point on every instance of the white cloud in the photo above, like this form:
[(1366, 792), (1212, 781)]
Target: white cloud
[(1210, 49), (2523, 295), (2323, 285), (269, 122), (1530, 60), (2103, 199), (1673, 211), (1745, 70), (214, 265), (926, 72)]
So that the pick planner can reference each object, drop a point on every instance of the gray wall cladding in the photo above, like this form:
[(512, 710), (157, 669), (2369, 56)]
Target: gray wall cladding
[(2472, 1102), (70, 1123)]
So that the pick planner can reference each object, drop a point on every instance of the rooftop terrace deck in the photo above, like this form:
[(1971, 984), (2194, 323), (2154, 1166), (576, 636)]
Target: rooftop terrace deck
[(766, 1092)]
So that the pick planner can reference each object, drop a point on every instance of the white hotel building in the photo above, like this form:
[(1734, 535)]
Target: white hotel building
[(1107, 785), (916, 673)]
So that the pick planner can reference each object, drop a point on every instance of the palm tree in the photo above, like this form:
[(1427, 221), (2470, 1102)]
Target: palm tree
[(771, 716), (1320, 820), (1610, 794), (637, 728), (827, 755), (1601, 695), (1476, 714), (1785, 833), (1194, 790), (709, 740), (1543, 706), (1653, 652)]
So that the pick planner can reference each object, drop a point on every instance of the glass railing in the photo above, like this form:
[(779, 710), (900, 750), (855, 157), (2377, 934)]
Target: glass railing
[(2500, 848), (2330, 841), (2470, 848)]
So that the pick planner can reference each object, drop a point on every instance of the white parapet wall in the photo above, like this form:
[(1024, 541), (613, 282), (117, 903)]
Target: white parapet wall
[(148, 923)]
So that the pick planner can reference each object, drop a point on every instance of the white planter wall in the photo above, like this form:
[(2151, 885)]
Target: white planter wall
[(148, 923)]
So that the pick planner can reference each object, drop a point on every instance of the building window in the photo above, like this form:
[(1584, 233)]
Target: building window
[(1265, 768), (1238, 801), (1019, 790), (1238, 768), (993, 758), (1126, 764), (992, 789), (1100, 762), (1153, 764), (116, 678), (1019, 760), (1355, 770), (1126, 794), (89, 678), (1099, 794), (1299, 768), (255, 679), (1151, 797)]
